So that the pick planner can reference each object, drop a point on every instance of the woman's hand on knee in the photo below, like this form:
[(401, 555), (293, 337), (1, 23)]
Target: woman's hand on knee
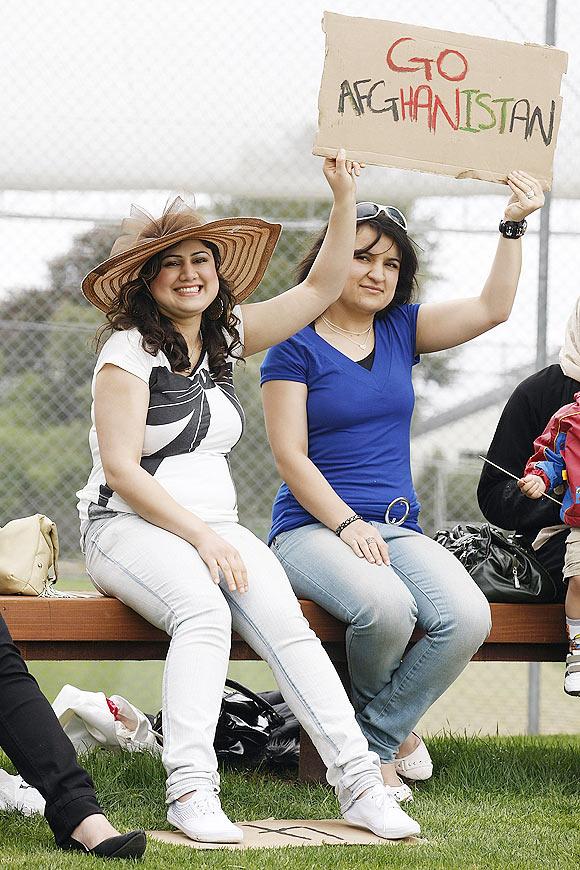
[(218, 555), (366, 542)]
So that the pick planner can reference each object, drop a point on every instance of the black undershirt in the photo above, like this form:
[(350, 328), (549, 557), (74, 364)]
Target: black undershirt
[(366, 363)]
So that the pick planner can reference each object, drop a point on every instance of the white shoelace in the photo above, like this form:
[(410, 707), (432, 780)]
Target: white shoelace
[(381, 797), (203, 803)]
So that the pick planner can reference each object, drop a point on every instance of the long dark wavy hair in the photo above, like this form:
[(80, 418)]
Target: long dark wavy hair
[(407, 281), (136, 308)]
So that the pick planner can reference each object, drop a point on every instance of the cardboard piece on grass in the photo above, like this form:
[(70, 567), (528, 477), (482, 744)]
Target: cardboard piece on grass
[(417, 98), (274, 833)]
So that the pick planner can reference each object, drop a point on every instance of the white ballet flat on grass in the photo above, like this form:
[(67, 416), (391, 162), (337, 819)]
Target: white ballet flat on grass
[(402, 793), (417, 765)]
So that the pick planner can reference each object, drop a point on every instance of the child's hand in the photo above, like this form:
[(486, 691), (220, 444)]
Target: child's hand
[(532, 485)]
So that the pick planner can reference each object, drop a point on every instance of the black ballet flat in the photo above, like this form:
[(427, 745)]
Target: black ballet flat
[(131, 845)]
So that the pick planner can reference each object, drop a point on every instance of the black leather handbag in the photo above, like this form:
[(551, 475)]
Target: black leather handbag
[(503, 566)]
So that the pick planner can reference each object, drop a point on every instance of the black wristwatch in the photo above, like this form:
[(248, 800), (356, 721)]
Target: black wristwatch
[(512, 229)]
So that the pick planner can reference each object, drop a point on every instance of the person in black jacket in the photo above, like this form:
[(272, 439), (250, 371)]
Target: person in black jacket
[(526, 413)]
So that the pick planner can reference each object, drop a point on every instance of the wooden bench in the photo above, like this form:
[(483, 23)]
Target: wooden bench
[(97, 629)]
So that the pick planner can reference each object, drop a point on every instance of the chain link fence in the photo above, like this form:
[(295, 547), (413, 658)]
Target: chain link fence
[(49, 239)]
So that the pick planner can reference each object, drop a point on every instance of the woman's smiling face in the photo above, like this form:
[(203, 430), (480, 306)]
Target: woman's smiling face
[(187, 282)]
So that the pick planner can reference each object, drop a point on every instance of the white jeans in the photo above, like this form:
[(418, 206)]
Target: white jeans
[(163, 578)]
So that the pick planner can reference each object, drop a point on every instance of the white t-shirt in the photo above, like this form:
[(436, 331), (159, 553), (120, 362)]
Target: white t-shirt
[(192, 423)]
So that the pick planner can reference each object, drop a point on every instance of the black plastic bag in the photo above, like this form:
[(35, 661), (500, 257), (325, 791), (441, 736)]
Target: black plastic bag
[(283, 749), (251, 730)]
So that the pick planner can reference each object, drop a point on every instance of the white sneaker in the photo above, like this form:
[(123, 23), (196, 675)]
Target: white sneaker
[(201, 818), (15, 794), (417, 764), (572, 676), (379, 812)]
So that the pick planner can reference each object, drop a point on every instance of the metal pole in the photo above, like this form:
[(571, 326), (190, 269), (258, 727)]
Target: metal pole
[(541, 358), (439, 508)]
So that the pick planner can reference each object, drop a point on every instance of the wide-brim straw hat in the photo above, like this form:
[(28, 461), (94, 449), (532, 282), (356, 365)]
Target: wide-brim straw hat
[(245, 246)]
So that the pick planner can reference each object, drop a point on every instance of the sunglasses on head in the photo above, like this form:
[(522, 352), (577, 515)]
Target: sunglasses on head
[(367, 211)]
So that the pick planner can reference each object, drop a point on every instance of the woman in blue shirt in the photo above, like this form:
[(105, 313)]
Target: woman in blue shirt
[(338, 402)]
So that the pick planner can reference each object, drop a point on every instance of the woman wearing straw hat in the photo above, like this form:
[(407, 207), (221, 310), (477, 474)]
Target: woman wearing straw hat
[(158, 513)]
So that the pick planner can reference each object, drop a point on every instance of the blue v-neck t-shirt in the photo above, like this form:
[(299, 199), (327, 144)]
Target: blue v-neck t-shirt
[(359, 420)]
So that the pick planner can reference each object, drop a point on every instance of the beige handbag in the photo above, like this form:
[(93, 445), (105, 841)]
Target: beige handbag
[(28, 556)]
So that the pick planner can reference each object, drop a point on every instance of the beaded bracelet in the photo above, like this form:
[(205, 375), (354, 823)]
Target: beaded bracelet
[(346, 523)]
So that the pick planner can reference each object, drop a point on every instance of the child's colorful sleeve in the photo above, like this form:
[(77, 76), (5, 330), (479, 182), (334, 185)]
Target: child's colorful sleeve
[(547, 460)]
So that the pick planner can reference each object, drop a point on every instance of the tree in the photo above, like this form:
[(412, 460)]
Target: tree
[(89, 248)]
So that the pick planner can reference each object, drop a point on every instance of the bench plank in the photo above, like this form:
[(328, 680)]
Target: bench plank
[(99, 628)]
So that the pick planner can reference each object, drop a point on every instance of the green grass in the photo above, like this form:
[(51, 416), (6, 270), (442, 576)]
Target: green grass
[(509, 803)]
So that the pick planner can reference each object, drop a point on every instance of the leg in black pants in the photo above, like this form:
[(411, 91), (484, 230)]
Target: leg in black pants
[(31, 736)]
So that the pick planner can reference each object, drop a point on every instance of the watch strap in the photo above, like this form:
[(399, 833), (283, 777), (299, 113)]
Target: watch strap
[(513, 229)]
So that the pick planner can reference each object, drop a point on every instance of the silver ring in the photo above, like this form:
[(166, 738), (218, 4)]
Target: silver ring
[(370, 540), (531, 193)]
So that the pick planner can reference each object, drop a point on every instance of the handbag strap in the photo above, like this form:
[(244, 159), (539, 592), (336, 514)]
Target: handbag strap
[(264, 706), (49, 532)]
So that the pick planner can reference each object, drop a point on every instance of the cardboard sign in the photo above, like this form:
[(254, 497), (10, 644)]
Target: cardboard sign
[(416, 98), (272, 833)]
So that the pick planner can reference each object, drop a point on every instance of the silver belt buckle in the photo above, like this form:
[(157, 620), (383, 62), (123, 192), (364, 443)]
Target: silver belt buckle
[(392, 520)]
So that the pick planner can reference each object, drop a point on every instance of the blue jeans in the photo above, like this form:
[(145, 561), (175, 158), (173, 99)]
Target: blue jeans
[(425, 586)]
